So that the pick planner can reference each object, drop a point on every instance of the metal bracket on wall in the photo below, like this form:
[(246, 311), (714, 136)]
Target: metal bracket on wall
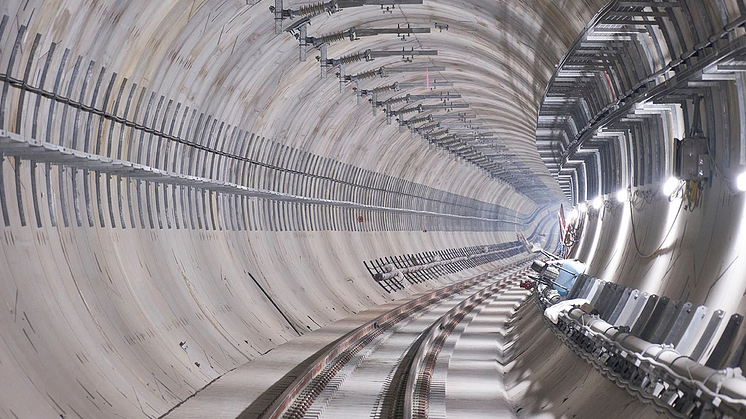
[(353, 34), (309, 11)]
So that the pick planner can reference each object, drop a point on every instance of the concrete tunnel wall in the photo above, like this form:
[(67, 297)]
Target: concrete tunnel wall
[(96, 311), (671, 244), (694, 256)]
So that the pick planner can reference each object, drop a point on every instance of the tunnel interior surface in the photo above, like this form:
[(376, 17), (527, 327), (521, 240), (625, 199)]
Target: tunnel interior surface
[(278, 208)]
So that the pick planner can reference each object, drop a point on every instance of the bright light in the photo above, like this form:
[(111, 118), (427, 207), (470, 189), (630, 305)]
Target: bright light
[(597, 203), (582, 207), (572, 215), (741, 182), (671, 185), (622, 195)]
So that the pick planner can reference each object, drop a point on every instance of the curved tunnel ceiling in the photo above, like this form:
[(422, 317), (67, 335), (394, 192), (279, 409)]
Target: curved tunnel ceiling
[(224, 59)]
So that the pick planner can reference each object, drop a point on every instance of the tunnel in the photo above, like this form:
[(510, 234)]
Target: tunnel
[(367, 209)]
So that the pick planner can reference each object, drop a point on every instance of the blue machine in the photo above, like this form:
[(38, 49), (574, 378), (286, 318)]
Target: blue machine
[(569, 269), (560, 274)]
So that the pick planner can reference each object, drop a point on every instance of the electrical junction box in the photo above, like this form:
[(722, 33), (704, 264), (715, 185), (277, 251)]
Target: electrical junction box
[(693, 160)]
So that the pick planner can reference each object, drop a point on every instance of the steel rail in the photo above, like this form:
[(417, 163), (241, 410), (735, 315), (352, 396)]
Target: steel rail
[(416, 405), (299, 395)]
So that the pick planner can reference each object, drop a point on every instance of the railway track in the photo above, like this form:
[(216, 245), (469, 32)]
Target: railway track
[(396, 367)]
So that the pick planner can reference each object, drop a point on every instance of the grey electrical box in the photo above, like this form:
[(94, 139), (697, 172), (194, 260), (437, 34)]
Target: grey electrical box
[(693, 160)]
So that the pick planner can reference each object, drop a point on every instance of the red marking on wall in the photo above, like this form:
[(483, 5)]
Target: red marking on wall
[(608, 81), (360, 219)]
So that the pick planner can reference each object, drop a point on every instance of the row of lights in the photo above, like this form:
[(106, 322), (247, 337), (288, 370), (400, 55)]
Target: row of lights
[(622, 196), (596, 204), (673, 183), (669, 187)]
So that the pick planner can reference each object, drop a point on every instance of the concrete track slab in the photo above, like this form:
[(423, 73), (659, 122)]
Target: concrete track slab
[(475, 387), (234, 392)]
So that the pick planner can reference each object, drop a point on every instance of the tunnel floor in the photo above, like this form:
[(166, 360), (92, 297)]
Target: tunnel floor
[(499, 360)]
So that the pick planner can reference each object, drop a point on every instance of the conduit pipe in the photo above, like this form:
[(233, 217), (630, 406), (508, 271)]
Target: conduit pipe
[(730, 388)]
